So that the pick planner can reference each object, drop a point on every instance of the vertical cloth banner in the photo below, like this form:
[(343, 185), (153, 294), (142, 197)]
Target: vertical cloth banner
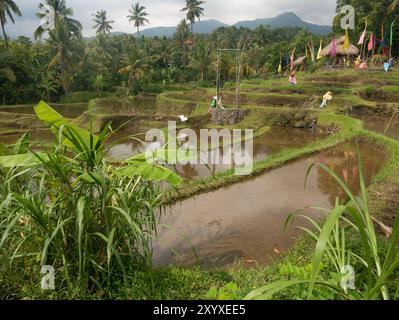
[(320, 48), (292, 59), (346, 41), (382, 33), (362, 37), (333, 51), (371, 43), (311, 51)]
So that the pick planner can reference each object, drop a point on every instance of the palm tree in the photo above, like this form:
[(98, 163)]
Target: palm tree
[(7, 8), (4, 69), (49, 86), (62, 16), (99, 83), (135, 67), (102, 25), (60, 39), (194, 11), (393, 6), (182, 32), (138, 16), (201, 58)]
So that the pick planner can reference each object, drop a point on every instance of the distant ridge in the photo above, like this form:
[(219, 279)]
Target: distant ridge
[(287, 19)]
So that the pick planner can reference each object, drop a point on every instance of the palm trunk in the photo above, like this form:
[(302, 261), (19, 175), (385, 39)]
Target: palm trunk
[(138, 32), (4, 33), (192, 32)]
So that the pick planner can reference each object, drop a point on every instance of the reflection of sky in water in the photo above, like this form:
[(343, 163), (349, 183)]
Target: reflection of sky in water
[(246, 220), (383, 125), (276, 140)]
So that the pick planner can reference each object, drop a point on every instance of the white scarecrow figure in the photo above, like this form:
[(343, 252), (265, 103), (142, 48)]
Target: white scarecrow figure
[(326, 98)]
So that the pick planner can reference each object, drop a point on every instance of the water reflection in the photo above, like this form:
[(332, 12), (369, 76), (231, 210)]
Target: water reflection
[(383, 125), (276, 140), (246, 220)]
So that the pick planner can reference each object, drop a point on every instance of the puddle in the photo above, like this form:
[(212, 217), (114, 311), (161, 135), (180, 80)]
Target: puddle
[(246, 220), (380, 125)]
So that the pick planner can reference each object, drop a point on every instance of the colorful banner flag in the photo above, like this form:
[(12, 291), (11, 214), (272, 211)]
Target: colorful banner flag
[(292, 60), (383, 36), (346, 41), (362, 37), (371, 43), (312, 53), (333, 51), (320, 49)]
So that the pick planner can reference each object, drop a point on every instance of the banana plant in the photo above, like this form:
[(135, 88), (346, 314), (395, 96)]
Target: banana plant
[(90, 148)]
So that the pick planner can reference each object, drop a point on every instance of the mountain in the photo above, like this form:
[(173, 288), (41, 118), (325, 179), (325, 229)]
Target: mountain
[(287, 19), (205, 26)]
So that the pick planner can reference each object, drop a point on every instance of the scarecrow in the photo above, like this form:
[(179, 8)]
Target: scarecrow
[(326, 98)]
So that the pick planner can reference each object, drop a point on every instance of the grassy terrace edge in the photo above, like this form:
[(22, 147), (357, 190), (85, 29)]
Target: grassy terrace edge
[(349, 129)]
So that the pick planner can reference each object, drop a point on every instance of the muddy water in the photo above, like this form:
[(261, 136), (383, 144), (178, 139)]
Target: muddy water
[(381, 125), (37, 136), (277, 139), (137, 105), (70, 111), (245, 221)]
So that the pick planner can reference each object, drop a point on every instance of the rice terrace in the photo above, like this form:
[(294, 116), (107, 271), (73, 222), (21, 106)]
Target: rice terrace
[(255, 160)]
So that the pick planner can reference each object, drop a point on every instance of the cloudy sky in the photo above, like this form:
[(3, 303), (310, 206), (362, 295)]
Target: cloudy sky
[(167, 12)]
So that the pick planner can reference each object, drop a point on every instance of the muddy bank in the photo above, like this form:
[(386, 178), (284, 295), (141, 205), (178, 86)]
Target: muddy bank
[(245, 221)]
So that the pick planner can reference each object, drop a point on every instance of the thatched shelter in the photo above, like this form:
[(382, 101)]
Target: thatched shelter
[(352, 50)]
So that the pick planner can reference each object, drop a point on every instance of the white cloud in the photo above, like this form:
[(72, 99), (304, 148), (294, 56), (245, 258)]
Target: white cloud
[(167, 12)]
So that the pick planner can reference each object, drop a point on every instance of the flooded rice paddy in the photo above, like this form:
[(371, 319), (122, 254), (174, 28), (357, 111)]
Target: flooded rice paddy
[(244, 221)]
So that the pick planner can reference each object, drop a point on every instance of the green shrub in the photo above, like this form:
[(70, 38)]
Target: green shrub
[(69, 209)]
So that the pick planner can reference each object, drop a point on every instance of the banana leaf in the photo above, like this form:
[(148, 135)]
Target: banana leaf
[(22, 160), (72, 135)]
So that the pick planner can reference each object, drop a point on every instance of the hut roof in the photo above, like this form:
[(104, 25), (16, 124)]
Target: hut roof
[(339, 43), (299, 61)]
